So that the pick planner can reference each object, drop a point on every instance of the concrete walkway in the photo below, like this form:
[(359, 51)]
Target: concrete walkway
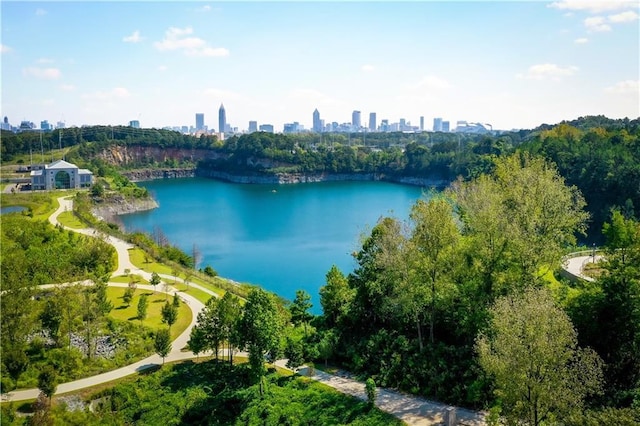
[(575, 265), (410, 409)]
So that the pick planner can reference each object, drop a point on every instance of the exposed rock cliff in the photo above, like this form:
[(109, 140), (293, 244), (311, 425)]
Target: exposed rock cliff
[(152, 174), (118, 204)]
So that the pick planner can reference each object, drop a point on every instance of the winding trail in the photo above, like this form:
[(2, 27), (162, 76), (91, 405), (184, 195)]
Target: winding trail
[(410, 409)]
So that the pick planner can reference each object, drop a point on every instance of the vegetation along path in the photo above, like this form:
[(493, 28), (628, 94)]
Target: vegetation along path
[(410, 409)]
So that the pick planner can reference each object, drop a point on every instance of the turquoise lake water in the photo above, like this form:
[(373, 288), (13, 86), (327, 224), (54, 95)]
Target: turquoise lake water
[(281, 237)]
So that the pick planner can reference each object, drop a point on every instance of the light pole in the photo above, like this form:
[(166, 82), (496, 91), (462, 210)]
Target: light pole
[(594, 252)]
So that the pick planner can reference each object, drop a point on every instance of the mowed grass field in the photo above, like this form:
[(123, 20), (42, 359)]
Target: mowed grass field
[(154, 316)]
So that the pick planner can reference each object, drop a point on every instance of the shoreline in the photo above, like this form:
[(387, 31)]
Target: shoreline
[(282, 178)]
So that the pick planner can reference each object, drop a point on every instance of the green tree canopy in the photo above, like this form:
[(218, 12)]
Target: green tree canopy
[(531, 351)]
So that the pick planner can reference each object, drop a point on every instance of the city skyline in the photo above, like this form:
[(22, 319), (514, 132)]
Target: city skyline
[(509, 64)]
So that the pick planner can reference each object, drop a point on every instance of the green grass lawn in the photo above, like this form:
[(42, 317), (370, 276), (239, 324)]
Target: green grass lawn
[(137, 258), (125, 279), (195, 292), (69, 220), (154, 317)]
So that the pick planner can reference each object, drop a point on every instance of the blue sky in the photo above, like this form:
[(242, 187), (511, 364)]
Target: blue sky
[(510, 64)]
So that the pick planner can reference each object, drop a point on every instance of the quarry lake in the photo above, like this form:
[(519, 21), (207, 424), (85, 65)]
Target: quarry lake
[(281, 237)]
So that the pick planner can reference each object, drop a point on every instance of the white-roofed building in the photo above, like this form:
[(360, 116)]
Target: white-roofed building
[(60, 175)]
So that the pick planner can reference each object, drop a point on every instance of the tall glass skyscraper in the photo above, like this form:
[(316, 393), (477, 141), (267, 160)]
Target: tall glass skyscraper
[(317, 124), (199, 121), (222, 119)]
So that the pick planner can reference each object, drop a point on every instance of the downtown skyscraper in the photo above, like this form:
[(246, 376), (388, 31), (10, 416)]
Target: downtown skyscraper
[(222, 119), (317, 123)]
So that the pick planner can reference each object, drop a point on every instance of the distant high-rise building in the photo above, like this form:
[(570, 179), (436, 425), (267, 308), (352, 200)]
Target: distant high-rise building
[(6, 120), (355, 120), (266, 128), (421, 123), (222, 119), (135, 124), (403, 125), (253, 126), (317, 123), (372, 121), (445, 126), (44, 125), (60, 125), (199, 122), (437, 124)]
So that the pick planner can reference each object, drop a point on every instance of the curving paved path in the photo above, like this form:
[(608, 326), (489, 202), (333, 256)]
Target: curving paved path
[(410, 409), (575, 265)]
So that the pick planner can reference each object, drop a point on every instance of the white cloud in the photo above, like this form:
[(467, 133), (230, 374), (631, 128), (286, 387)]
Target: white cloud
[(115, 93), (163, 68), (581, 40), (628, 16), (5, 49), (543, 71), (597, 24), (67, 87), (133, 38), (45, 61), (205, 8), (367, 68), (593, 6), (177, 39), (41, 12), (624, 87), (42, 73)]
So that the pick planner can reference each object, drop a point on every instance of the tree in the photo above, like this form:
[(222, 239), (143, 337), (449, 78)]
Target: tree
[(197, 341), (335, 296), (103, 304), (142, 307), (300, 309), (370, 388), (294, 353), (435, 237), (520, 219), (210, 272), (163, 343), (48, 381), (128, 295), (260, 329), (169, 314), (531, 351), (176, 301), (51, 318), (155, 280), (209, 322), (229, 313)]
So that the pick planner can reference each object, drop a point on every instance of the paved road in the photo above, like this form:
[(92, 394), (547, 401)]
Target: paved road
[(412, 410)]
